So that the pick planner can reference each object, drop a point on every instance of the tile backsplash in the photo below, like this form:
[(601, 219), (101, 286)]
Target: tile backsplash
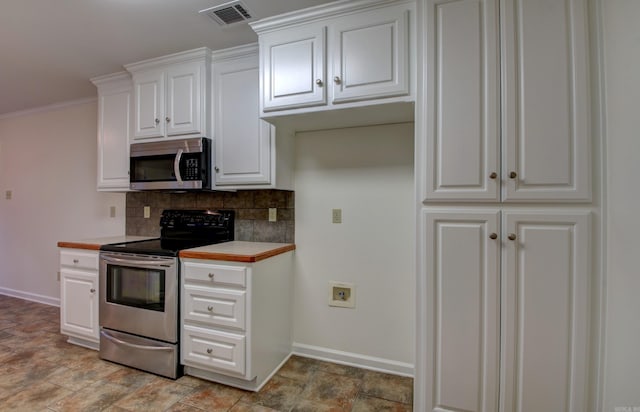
[(251, 207)]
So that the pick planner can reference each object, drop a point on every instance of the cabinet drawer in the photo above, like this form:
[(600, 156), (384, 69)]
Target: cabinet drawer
[(215, 274), (213, 350), (85, 260), (215, 307)]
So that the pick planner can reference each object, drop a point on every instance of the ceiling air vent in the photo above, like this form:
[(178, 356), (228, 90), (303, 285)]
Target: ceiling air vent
[(228, 13)]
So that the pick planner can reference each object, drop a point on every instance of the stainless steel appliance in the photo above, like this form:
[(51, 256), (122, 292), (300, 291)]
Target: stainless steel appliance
[(139, 290), (183, 164)]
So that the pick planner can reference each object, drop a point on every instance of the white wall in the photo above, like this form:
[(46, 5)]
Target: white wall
[(622, 76), (48, 161), (368, 173)]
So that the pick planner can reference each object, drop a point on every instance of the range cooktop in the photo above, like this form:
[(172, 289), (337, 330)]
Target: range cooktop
[(182, 229)]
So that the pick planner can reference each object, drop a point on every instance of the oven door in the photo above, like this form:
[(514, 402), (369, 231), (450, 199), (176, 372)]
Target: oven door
[(139, 295)]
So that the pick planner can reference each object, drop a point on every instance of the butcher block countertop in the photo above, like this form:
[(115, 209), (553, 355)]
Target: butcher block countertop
[(238, 251), (94, 244)]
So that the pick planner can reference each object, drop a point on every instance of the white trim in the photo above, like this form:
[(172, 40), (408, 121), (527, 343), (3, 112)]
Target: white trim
[(598, 96), (49, 107), (354, 359), (34, 297)]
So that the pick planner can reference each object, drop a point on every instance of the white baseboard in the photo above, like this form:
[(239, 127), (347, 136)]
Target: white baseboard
[(47, 300), (354, 359)]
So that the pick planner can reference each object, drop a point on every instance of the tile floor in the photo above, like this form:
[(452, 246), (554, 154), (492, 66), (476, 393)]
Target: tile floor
[(40, 371)]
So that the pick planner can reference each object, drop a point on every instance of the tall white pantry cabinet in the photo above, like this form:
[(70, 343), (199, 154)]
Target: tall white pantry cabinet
[(504, 199)]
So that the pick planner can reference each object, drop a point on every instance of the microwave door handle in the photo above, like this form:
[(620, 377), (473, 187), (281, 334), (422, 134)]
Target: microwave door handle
[(176, 166)]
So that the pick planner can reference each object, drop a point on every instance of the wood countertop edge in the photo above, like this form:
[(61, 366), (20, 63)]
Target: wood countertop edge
[(230, 257), (77, 245)]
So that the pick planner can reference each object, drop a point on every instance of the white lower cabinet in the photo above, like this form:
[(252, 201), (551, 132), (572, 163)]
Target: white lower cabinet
[(79, 297), (506, 297), (236, 319)]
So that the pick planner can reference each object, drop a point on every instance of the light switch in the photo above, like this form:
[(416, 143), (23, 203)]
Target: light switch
[(273, 214), (112, 211), (8, 194), (147, 212)]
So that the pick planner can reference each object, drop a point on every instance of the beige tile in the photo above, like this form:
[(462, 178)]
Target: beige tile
[(213, 397), (191, 381), (157, 395), (35, 398), (77, 378), (298, 368), (390, 387), (332, 390), (313, 406), (338, 369), (248, 407), (129, 378), (368, 404), (279, 393), (92, 398)]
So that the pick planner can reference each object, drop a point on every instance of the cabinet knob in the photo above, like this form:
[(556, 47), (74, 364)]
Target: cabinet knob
[(157, 121), (336, 80), (167, 119), (513, 175), (209, 351), (92, 290), (493, 175), (319, 82), (211, 275), (210, 308), (75, 260), (512, 236), (493, 236), (217, 169)]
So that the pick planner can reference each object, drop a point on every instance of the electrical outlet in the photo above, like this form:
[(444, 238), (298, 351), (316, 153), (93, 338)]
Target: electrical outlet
[(336, 215), (147, 212), (273, 214), (112, 211), (342, 294)]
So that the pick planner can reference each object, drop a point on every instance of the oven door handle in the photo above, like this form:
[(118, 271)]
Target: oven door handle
[(135, 262), (131, 345), (176, 166)]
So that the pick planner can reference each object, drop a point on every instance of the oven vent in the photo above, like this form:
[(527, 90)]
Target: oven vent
[(228, 13)]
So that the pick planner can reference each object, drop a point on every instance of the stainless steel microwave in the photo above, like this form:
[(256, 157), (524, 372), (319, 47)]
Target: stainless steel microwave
[(183, 164)]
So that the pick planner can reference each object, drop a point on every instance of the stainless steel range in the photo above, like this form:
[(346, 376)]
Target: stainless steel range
[(139, 290)]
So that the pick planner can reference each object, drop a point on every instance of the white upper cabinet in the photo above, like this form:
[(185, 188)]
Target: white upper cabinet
[(370, 55), (115, 98), (244, 144), (293, 64), (507, 115), (171, 95), (350, 54)]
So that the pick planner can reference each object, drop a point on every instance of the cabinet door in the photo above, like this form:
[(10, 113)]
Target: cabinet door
[(370, 55), (79, 304), (183, 106), (293, 68), (545, 101), (149, 104), (545, 288), (114, 130), (462, 291), (243, 141), (462, 148)]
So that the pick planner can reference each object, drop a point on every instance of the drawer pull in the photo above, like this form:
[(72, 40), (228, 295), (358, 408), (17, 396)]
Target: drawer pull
[(211, 275), (493, 236), (75, 261), (92, 290), (512, 236), (210, 308), (209, 351)]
